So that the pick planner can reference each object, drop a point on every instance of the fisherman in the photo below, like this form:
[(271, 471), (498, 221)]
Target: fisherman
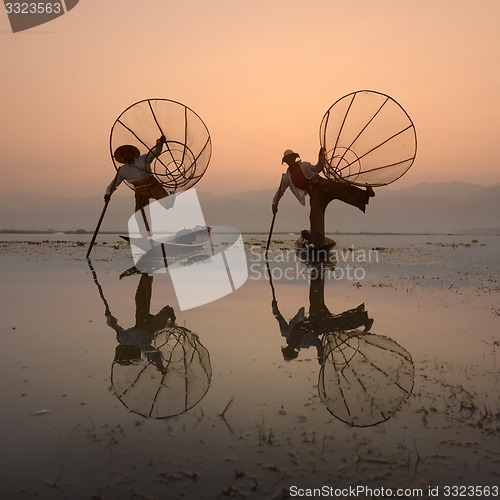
[(303, 179), (136, 169), (303, 332), (139, 338)]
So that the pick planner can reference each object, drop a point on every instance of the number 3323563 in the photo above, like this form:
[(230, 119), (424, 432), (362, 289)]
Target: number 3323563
[(33, 8)]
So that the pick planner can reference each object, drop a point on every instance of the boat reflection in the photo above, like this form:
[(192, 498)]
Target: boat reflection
[(160, 369), (364, 378)]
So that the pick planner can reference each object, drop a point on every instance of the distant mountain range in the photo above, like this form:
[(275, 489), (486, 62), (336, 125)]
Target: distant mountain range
[(427, 207)]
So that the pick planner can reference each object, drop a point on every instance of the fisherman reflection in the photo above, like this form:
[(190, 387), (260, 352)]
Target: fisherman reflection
[(303, 332), (160, 369), (363, 378), (137, 339)]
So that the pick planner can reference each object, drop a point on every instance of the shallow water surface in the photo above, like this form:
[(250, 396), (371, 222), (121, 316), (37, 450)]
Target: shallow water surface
[(389, 379)]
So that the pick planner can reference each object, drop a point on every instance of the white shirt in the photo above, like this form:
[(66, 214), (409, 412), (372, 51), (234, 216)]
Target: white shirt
[(138, 171), (309, 172)]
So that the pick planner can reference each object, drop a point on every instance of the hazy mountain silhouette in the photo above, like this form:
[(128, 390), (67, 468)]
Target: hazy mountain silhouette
[(452, 189), (439, 207), (426, 207)]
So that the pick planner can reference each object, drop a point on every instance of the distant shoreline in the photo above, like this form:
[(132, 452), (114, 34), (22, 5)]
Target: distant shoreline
[(470, 232)]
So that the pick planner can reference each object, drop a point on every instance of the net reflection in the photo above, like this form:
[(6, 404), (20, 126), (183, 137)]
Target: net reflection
[(364, 378), (160, 369), (165, 378)]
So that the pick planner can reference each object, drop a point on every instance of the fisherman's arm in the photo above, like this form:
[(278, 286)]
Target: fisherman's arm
[(112, 322), (279, 317), (321, 162), (156, 151), (281, 191), (112, 186)]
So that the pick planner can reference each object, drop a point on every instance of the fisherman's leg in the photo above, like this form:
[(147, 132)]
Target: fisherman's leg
[(141, 202), (317, 307), (141, 199), (347, 321), (344, 191), (351, 319), (143, 300), (319, 201), (158, 191)]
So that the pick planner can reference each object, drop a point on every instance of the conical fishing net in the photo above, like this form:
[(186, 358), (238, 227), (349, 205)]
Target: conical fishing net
[(369, 139), (170, 376), (364, 378), (185, 155)]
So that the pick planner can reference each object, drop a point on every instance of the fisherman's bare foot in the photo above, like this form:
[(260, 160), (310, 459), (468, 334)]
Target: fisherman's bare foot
[(368, 324), (370, 191)]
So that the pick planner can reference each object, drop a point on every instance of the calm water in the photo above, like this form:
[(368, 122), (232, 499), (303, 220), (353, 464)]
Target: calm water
[(388, 379)]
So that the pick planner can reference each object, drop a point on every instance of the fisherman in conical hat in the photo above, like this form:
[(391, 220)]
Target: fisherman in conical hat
[(136, 169), (303, 179)]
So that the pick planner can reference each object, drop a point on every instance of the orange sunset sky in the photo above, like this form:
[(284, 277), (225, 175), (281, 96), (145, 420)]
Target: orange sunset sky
[(260, 73)]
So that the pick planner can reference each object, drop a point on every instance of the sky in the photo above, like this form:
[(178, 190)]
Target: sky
[(260, 74)]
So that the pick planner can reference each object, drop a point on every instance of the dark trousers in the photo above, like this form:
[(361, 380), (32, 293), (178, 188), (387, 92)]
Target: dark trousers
[(322, 192), (146, 190), (143, 301)]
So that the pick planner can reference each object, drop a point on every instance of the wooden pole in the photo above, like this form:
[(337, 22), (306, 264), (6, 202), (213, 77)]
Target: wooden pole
[(272, 226), (270, 235), (92, 241)]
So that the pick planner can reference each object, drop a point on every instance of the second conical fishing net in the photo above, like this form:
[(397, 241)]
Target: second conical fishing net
[(364, 378), (369, 139)]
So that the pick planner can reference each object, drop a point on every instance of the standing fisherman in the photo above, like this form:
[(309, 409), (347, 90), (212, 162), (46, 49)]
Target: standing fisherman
[(136, 169), (303, 179)]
